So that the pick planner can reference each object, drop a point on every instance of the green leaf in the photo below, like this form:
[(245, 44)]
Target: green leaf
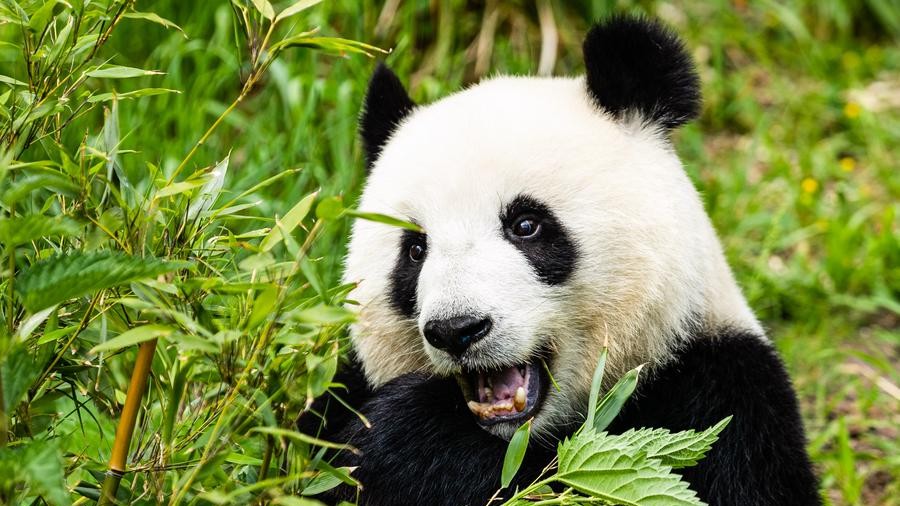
[(264, 8), (326, 315), (323, 482), (333, 45), (387, 220), (18, 369), (321, 371), (602, 466), (207, 196), (41, 17), (301, 437), (617, 396), (179, 187), (24, 229), (289, 222), (153, 18), (596, 383), (515, 454), (263, 305), (682, 449), (134, 336), (143, 92), (331, 208), (120, 72), (296, 8), (40, 466), (77, 273)]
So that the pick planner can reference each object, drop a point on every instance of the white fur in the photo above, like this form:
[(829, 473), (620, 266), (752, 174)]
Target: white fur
[(649, 257)]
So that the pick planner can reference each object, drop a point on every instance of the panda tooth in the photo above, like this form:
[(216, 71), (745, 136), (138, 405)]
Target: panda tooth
[(519, 400), (488, 393)]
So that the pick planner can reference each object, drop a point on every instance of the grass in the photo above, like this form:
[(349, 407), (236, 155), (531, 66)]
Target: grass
[(795, 155)]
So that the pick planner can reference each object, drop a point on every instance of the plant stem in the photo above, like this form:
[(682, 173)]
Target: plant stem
[(125, 430), (4, 426)]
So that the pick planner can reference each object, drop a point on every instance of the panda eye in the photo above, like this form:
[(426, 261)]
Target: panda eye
[(525, 227), (416, 252)]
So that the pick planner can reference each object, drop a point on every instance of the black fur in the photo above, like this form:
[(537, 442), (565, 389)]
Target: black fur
[(386, 104), (635, 64), (760, 458), (551, 252), (405, 276), (424, 446)]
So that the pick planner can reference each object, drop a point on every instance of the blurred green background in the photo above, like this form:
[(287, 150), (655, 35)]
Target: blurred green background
[(796, 155)]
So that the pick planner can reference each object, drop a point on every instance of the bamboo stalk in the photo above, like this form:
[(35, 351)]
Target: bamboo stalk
[(125, 430)]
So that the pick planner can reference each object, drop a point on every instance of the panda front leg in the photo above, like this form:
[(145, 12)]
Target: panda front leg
[(425, 447)]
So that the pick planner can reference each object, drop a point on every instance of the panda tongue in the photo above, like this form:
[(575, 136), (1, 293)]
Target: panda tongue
[(506, 382)]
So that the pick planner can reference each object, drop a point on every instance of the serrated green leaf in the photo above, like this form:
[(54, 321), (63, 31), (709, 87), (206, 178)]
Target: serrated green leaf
[(24, 229), (40, 466), (77, 273), (601, 466), (515, 454), (678, 450), (134, 336)]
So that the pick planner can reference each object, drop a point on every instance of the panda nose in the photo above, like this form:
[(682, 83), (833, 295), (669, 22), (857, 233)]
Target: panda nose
[(455, 335)]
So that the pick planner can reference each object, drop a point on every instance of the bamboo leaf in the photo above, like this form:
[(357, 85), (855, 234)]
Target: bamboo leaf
[(134, 336), (153, 18), (264, 8), (120, 72), (301, 437), (143, 92), (387, 220), (596, 383), (296, 8), (515, 454), (289, 222), (615, 399)]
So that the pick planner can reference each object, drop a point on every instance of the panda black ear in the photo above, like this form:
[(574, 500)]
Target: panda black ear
[(637, 65), (385, 106)]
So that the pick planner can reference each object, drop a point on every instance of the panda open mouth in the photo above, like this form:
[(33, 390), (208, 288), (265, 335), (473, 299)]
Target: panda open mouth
[(503, 395)]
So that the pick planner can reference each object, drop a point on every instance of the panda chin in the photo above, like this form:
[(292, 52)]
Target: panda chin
[(504, 395)]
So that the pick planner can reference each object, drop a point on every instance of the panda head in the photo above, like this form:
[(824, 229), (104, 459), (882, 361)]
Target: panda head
[(556, 219)]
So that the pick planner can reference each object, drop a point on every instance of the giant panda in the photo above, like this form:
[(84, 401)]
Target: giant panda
[(556, 218)]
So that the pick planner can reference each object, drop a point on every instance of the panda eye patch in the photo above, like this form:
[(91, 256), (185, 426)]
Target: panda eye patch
[(526, 226)]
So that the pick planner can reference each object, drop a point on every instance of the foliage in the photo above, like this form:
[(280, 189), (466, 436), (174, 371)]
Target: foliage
[(795, 156), (630, 469)]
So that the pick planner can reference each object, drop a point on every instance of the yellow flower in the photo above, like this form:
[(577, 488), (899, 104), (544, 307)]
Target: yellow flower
[(852, 110), (850, 60), (847, 164), (809, 185)]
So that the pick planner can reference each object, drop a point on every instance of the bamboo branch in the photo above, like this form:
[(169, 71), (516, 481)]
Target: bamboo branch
[(125, 430)]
